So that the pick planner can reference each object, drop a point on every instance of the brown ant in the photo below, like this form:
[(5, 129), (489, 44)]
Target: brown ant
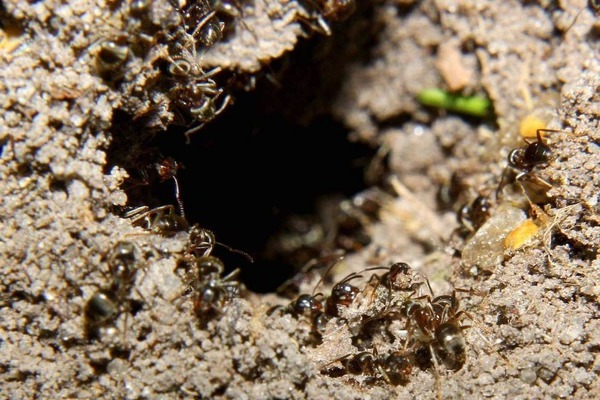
[(395, 367), (435, 330), (525, 159), (399, 278), (167, 169)]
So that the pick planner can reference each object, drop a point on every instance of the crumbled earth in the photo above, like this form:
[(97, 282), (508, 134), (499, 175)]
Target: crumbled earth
[(534, 310)]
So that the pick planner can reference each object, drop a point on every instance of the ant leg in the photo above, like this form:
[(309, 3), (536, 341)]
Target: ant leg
[(178, 197), (203, 22), (136, 212), (436, 373), (502, 183), (191, 131)]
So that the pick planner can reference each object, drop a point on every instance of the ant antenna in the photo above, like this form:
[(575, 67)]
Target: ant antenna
[(338, 260), (240, 252)]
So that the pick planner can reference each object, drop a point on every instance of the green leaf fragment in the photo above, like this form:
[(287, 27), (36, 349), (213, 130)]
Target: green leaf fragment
[(477, 106)]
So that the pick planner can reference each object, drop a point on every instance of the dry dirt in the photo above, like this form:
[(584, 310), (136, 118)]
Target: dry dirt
[(535, 322)]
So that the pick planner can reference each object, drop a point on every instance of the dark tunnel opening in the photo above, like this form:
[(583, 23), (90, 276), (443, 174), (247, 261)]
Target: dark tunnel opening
[(247, 174)]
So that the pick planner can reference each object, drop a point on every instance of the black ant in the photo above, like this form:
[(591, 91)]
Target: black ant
[(525, 159), (197, 19), (211, 295), (319, 311), (202, 242), (395, 367), (342, 294), (194, 90), (106, 304), (161, 220), (310, 307), (473, 216), (323, 11), (306, 305), (209, 291)]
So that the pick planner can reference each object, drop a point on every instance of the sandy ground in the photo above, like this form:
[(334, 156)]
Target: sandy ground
[(535, 331)]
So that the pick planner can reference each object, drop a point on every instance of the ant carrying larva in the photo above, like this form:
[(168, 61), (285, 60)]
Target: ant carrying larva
[(524, 161)]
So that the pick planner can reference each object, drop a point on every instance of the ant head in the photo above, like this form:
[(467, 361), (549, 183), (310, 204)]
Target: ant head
[(516, 157), (306, 305)]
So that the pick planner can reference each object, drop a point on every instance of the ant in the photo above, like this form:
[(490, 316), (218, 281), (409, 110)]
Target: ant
[(306, 305), (195, 90), (209, 291), (202, 241), (167, 169), (438, 326), (473, 216), (211, 296), (434, 328), (310, 307), (196, 17), (161, 220), (395, 367), (399, 278), (327, 10), (525, 159), (106, 304), (342, 294), (317, 310)]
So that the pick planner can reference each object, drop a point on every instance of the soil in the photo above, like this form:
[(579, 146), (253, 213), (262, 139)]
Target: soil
[(71, 132)]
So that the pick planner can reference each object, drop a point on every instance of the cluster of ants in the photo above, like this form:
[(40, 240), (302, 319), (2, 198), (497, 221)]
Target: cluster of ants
[(396, 323), (192, 89), (201, 272), (196, 95)]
